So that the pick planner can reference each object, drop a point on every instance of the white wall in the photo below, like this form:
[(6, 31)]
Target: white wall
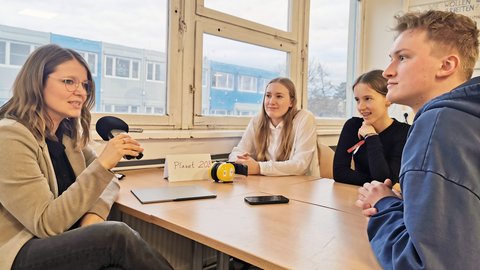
[(377, 40)]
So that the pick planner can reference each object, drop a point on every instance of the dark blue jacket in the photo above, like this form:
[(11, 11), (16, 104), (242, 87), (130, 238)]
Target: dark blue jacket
[(437, 225)]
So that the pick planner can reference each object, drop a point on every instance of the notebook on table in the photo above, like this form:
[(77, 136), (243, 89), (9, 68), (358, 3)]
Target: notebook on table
[(168, 194)]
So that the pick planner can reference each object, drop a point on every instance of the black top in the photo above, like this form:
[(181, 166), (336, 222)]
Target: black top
[(61, 165), (378, 158)]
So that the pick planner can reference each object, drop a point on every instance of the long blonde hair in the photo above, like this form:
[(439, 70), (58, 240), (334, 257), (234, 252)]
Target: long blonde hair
[(27, 105), (262, 130)]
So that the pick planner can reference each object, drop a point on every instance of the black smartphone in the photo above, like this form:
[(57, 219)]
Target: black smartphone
[(254, 200)]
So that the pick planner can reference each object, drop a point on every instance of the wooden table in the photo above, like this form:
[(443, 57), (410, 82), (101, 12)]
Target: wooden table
[(322, 192), (303, 234)]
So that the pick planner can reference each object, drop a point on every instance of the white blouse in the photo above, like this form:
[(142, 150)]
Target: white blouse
[(303, 158)]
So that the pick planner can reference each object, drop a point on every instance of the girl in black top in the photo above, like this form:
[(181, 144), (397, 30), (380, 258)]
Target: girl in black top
[(375, 141)]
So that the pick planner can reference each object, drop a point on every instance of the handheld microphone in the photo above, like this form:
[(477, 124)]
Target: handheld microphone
[(109, 127)]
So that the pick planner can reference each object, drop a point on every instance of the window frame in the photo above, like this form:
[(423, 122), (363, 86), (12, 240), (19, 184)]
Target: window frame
[(173, 55), (154, 69), (130, 67), (85, 55), (263, 87), (229, 75), (4, 52), (238, 33), (187, 22), (7, 52), (253, 84)]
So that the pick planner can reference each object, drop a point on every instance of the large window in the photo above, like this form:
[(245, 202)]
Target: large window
[(236, 69), (180, 64), (117, 53), (327, 61), (270, 13)]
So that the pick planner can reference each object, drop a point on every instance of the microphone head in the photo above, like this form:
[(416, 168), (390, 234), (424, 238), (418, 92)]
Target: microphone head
[(106, 124)]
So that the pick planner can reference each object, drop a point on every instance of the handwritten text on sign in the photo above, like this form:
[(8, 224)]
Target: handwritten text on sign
[(187, 167), (201, 164)]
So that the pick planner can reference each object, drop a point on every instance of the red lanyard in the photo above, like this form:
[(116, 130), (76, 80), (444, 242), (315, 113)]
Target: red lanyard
[(356, 146)]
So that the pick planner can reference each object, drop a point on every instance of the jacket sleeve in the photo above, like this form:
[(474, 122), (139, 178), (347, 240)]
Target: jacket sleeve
[(246, 144), (104, 203), (26, 192), (305, 144), (437, 224), (342, 171), (427, 231)]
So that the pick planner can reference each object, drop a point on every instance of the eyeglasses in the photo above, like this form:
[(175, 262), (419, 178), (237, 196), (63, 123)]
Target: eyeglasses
[(72, 83)]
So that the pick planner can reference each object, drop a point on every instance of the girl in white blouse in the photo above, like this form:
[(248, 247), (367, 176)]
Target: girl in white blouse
[(280, 140)]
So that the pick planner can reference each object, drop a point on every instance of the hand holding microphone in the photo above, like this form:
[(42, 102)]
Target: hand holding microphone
[(120, 144)]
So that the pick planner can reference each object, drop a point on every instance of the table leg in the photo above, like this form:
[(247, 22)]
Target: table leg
[(223, 261), (197, 257)]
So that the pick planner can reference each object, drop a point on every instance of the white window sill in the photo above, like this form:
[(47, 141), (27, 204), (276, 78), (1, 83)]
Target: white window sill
[(198, 134)]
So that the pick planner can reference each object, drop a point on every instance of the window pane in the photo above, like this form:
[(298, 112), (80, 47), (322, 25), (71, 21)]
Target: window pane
[(158, 110), (149, 71), (122, 68), (121, 108), (92, 63), (18, 53), (135, 70), (109, 66), (247, 84), (228, 62), (204, 77), (327, 63), (162, 72), (221, 80), (115, 38), (3, 46), (263, 85), (157, 72), (273, 13)]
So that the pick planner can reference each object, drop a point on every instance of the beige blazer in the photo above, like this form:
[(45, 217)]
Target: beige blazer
[(29, 201)]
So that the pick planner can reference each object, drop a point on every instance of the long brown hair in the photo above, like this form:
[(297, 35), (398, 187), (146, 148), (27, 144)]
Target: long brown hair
[(27, 105), (262, 131), (375, 80)]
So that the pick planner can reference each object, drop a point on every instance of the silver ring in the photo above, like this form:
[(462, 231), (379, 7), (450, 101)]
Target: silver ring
[(123, 140)]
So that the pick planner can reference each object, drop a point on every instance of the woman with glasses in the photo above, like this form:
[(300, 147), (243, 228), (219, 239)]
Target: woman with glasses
[(55, 192)]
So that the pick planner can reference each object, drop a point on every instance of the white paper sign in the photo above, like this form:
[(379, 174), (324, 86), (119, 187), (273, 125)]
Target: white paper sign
[(187, 167)]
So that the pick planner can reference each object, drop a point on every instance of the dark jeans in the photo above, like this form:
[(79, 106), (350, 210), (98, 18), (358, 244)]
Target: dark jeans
[(110, 244)]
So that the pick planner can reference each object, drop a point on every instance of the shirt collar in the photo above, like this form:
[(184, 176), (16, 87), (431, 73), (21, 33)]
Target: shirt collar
[(278, 127)]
